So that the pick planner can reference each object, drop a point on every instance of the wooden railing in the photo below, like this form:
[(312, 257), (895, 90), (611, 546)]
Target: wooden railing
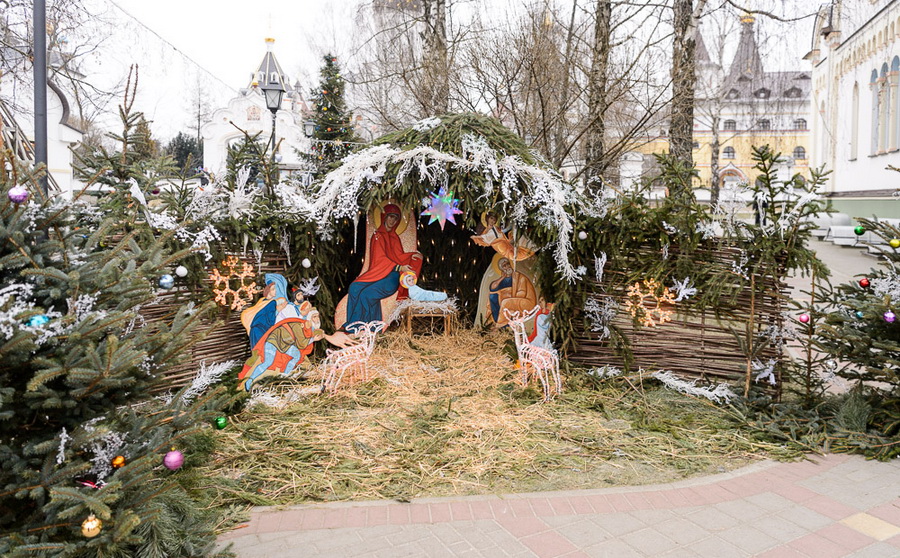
[(14, 139)]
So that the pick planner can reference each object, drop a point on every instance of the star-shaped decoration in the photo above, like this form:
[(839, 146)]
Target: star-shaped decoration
[(442, 207)]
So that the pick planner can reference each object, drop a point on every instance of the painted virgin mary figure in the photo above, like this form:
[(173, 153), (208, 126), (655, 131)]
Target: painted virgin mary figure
[(382, 279)]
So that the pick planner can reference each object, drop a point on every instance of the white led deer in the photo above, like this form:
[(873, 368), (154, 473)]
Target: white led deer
[(534, 361), (352, 361)]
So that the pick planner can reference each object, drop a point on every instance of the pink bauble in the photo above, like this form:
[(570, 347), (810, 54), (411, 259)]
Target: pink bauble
[(804, 318), (889, 317), (173, 460)]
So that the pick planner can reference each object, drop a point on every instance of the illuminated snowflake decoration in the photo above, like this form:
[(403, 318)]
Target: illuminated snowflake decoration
[(442, 207), (235, 273), (650, 303)]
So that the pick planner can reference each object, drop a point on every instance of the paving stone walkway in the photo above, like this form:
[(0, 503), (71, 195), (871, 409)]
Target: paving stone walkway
[(836, 505)]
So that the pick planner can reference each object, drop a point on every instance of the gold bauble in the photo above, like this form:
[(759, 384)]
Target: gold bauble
[(91, 526), (118, 461)]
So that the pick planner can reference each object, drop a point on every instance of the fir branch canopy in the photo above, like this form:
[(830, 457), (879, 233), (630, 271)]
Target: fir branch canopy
[(484, 164)]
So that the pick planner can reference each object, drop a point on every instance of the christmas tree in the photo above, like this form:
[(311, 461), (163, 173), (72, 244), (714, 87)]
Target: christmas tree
[(334, 137), (863, 330), (90, 461)]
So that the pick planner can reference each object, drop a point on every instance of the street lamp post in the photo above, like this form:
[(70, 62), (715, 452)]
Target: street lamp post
[(40, 88), (273, 92)]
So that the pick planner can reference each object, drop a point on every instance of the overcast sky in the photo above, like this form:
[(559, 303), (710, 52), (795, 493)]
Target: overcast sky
[(225, 38)]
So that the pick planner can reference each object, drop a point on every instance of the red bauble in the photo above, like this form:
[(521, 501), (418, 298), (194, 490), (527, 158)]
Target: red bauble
[(864, 282)]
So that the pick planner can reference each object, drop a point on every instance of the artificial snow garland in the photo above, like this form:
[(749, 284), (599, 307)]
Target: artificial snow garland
[(206, 376), (600, 315), (764, 371), (720, 393), (605, 372), (546, 200)]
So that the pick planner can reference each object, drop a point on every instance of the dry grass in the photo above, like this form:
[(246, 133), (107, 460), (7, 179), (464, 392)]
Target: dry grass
[(447, 417)]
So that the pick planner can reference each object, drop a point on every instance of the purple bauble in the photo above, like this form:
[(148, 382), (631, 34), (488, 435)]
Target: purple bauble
[(173, 460), (18, 194), (889, 317), (804, 318)]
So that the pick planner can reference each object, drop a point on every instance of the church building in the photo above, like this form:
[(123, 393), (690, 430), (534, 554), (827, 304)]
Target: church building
[(247, 112)]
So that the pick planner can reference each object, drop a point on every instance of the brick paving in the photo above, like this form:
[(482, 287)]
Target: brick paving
[(833, 505)]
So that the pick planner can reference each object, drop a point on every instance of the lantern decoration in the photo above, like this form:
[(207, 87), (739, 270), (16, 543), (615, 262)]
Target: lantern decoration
[(889, 317), (804, 318), (221, 422), (173, 460), (18, 194), (181, 271), (859, 230), (234, 272), (167, 281), (118, 462), (91, 526), (442, 207), (864, 282)]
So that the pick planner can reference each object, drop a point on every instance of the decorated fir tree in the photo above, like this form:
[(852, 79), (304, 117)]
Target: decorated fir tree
[(91, 463), (333, 136), (863, 331)]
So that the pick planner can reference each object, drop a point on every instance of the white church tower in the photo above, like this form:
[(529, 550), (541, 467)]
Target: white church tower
[(247, 112)]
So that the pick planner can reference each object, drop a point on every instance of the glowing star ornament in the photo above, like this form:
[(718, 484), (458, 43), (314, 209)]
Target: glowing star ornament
[(442, 207)]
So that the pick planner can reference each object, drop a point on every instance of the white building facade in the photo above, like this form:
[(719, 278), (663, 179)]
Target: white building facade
[(856, 100), (248, 113)]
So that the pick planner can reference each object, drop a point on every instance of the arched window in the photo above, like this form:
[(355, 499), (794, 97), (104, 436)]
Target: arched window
[(854, 124), (732, 94), (729, 125), (873, 135), (884, 109), (763, 124), (728, 153), (799, 153), (762, 93), (894, 109), (800, 124)]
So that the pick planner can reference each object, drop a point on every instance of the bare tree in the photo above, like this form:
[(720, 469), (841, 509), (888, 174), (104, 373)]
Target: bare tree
[(686, 17), (597, 94)]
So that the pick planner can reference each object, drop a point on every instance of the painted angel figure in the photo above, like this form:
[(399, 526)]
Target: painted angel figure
[(282, 332), (492, 236)]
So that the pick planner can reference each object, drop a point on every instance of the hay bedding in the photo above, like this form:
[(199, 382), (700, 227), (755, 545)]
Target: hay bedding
[(445, 415)]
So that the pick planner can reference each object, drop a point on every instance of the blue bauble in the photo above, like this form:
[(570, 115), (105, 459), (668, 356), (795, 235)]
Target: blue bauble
[(859, 314), (38, 321), (167, 281)]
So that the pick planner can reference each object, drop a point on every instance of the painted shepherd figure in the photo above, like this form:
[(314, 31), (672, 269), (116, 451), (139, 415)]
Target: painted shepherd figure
[(388, 261), (281, 333)]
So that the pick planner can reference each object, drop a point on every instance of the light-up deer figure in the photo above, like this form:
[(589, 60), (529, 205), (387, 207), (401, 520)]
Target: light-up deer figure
[(352, 361), (534, 361)]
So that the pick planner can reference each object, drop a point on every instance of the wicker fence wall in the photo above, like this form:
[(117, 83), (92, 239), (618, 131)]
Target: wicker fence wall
[(698, 343)]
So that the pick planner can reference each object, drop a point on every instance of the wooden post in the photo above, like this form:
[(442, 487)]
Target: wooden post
[(750, 335)]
